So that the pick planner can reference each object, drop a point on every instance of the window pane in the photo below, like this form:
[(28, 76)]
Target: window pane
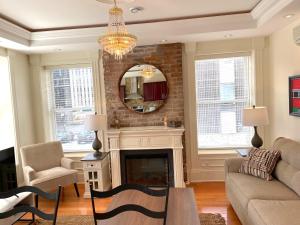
[(73, 99), (222, 92), (7, 134), (227, 92)]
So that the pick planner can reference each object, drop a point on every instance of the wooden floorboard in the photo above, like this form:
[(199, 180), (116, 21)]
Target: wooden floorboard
[(210, 197)]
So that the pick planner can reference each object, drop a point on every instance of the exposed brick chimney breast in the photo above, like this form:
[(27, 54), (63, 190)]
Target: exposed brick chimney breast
[(166, 57)]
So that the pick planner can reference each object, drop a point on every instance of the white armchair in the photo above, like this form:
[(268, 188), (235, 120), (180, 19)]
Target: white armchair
[(45, 166)]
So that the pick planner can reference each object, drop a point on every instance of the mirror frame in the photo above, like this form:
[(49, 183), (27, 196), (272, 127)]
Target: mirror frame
[(119, 83)]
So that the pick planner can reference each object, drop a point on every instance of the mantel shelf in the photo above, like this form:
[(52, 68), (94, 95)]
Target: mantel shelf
[(146, 130)]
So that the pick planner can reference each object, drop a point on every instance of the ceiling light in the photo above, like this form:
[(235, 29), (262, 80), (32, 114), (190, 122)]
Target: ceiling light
[(112, 1), (136, 9), (227, 35), (289, 16), (117, 41), (163, 41)]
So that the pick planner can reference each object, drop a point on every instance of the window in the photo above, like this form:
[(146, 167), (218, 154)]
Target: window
[(7, 132), (71, 98), (223, 90)]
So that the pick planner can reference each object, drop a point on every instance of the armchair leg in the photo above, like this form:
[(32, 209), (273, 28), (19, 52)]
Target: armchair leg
[(76, 189)]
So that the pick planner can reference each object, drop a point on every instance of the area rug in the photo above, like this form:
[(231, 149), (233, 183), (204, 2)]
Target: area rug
[(211, 219), (205, 218)]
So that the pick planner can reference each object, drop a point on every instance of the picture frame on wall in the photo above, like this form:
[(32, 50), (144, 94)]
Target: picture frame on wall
[(294, 95)]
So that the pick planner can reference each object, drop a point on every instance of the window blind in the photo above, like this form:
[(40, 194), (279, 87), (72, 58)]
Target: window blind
[(223, 90), (71, 99)]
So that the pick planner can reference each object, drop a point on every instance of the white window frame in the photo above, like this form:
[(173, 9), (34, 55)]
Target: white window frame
[(252, 90), (49, 123)]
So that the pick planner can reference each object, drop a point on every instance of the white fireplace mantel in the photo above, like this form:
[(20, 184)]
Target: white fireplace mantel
[(143, 138)]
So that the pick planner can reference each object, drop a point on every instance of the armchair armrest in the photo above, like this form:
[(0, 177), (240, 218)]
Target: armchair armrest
[(233, 165), (66, 163), (29, 174)]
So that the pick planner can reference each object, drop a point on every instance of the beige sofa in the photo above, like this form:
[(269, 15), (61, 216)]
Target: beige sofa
[(260, 202)]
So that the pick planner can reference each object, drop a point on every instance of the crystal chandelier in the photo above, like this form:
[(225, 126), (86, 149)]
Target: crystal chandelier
[(117, 41), (148, 71)]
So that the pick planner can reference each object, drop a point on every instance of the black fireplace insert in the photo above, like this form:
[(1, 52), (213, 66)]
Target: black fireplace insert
[(147, 167)]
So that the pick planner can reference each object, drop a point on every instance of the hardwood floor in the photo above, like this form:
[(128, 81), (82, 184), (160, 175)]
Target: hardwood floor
[(210, 197)]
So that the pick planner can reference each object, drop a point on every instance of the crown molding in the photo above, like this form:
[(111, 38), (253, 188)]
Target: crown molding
[(14, 29), (266, 9), (14, 33), (188, 27)]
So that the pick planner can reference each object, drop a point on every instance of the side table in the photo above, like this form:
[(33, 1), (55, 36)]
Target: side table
[(96, 171)]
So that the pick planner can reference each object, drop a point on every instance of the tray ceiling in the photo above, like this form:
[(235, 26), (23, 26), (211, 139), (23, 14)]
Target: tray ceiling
[(52, 14), (40, 26)]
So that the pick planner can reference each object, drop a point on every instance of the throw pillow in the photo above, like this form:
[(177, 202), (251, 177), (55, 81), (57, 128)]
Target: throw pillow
[(260, 163)]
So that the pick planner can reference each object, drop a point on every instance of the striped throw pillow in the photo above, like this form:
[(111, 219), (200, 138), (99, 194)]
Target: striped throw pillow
[(260, 163)]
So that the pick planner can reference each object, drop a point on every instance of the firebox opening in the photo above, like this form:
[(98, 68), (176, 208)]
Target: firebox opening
[(147, 167)]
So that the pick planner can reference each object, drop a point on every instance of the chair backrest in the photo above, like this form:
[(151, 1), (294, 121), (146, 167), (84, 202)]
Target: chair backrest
[(27, 208), (42, 156), (288, 168), (130, 207)]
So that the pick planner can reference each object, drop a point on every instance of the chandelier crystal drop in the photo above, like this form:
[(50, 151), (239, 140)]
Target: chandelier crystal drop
[(117, 41)]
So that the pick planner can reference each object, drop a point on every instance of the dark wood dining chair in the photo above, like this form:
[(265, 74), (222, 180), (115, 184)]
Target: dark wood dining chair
[(27, 208), (131, 207)]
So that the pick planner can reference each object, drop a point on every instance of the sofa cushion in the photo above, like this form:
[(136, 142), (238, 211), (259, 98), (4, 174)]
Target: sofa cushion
[(52, 174), (248, 187), (260, 163), (274, 212), (288, 169), (290, 151)]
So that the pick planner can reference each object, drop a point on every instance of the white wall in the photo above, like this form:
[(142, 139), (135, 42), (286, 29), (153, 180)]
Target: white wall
[(22, 104), (209, 165), (284, 61)]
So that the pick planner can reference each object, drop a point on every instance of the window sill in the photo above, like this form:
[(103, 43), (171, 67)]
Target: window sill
[(76, 154), (217, 152)]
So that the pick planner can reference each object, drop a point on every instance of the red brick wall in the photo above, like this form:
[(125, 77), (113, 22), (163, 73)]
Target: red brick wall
[(168, 58)]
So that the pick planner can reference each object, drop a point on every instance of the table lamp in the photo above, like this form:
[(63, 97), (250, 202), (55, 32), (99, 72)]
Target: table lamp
[(95, 123), (256, 116)]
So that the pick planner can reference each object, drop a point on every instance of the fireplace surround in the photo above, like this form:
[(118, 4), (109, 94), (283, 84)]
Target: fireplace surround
[(151, 138)]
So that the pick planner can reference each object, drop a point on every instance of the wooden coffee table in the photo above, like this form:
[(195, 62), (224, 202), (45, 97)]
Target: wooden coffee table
[(182, 208)]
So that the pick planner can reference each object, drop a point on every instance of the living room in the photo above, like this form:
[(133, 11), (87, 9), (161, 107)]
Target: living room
[(196, 105)]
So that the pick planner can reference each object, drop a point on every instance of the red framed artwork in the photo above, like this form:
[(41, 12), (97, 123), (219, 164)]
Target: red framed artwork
[(294, 93)]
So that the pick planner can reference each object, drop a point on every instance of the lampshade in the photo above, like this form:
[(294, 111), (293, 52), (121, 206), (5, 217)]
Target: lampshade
[(256, 116), (95, 122)]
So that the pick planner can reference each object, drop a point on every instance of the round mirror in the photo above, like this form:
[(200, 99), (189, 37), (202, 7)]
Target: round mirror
[(143, 88)]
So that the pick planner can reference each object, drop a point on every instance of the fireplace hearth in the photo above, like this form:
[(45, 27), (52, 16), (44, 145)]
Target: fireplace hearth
[(147, 167)]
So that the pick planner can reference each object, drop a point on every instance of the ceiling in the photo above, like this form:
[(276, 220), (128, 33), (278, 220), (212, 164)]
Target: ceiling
[(49, 14), (40, 26)]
